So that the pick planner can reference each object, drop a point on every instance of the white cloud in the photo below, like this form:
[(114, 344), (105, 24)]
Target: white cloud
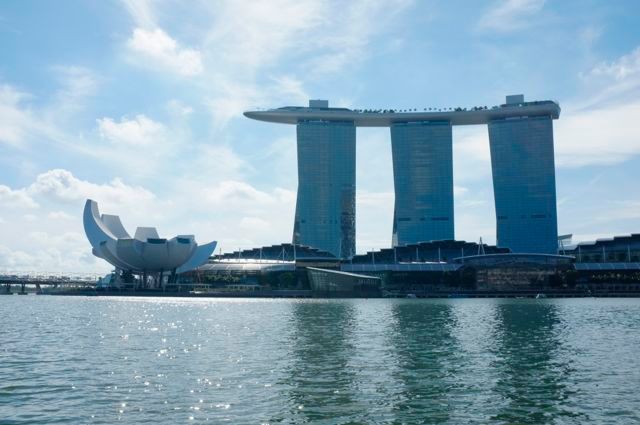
[(253, 223), (475, 223), (12, 260), (610, 83), (62, 186), (140, 131), (624, 67), (15, 121), (239, 215), (76, 83), (234, 97), (54, 239), (374, 214), (45, 252), (598, 128), (510, 15), (178, 109), (16, 198), (21, 124), (601, 136), (589, 35), (601, 127), (214, 163), (368, 199), (620, 210), (235, 194), (141, 12), (471, 155), (349, 31), (252, 34), (157, 49), (460, 191), (60, 215), (244, 42)]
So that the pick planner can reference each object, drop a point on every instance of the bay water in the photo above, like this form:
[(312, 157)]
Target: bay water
[(105, 360)]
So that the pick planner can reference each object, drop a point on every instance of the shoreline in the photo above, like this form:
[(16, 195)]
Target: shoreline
[(308, 294)]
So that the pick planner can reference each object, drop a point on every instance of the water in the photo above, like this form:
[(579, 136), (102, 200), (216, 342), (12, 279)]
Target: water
[(71, 360)]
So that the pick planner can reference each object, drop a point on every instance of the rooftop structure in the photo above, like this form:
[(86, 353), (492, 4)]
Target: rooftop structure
[(282, 252), (320, 111), (607, 250), (442, 251)]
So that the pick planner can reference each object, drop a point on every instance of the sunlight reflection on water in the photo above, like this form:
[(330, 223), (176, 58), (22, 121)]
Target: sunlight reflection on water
[(168, 360)]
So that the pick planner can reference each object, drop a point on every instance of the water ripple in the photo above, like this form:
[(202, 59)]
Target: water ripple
[(144, 360)]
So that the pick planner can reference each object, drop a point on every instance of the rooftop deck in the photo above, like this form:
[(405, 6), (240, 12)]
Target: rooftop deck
[(387, 117)]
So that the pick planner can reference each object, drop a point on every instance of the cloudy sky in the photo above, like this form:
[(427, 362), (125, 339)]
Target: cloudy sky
[(138, 105)]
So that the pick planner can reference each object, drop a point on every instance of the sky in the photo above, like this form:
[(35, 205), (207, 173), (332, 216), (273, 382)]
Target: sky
[(138, 105)]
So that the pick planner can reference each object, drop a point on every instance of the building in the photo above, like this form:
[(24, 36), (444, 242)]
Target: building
[(334, 283), (519, 272), (281, 252), (442, 251), (326, 202), (524, 183), (607, 267), (618, 249), (146, 253), (521, 142), (423, 181)]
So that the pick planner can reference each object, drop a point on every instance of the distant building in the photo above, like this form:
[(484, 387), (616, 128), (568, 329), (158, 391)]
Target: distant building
[(282, 252), (427, 252), (524, 183), (326, 203), (146, 253), (521, 142), (619, 249), (334, 283), (446, 268), (423, 181)]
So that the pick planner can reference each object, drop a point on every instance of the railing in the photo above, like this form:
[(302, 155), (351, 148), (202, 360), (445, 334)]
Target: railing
[(36, 277), (416, 110)]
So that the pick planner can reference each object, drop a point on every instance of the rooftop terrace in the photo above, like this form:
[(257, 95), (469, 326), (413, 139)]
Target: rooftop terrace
[(319, 110)]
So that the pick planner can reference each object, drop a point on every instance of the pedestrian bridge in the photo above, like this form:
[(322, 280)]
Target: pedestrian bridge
[(37, 280)]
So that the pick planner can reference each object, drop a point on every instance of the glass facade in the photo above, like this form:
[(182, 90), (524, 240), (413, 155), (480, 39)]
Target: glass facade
[(326, 205), (524, 184), (423, 181)]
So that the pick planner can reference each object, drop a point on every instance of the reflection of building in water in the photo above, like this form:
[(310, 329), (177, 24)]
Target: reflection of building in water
[(533, 368), (321, 380), (426, 353)]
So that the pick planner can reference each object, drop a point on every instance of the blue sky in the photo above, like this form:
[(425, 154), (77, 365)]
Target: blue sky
[(139, 105)]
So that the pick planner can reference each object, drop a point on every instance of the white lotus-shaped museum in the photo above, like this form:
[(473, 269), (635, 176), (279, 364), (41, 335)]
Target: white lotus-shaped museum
[(146, 252)]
